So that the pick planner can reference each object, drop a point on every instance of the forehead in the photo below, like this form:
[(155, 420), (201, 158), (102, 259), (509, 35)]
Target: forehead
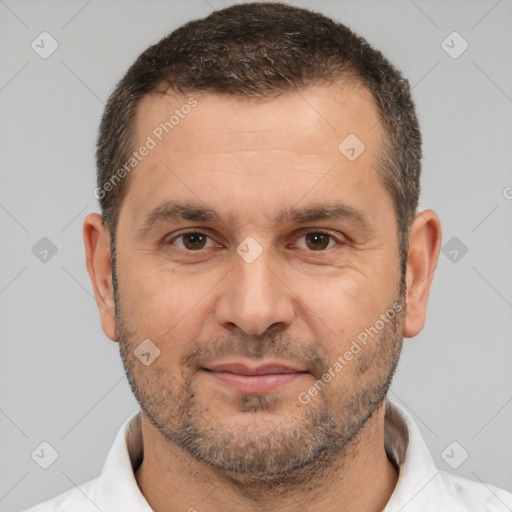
[(318, 115), (250, 152)]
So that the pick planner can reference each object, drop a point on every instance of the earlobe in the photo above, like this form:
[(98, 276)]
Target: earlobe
[(99, 267), (423, 254)]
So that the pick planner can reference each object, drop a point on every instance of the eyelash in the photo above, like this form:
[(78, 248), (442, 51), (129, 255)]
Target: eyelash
[(303, 234)]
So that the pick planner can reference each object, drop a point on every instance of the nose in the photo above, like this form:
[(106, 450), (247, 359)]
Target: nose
[(255, 297)]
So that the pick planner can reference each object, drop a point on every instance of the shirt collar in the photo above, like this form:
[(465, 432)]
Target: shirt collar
[(117, 486), (420, 483)]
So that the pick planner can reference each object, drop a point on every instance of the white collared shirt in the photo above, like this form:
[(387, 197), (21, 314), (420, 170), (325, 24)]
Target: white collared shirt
[(421, 487)]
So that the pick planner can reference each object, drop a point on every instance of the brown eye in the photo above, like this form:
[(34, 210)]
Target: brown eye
[(192, 241), (317, 241)]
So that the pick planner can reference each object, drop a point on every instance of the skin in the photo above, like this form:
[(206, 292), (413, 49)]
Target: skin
[(295, 303)]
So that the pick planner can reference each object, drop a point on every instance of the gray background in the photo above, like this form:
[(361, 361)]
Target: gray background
[(61, 379)]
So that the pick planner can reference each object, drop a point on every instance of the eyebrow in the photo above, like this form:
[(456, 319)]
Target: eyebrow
[(183, 210)]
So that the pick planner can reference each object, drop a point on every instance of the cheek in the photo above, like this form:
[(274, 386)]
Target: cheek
[(342, 308), (160, 303)]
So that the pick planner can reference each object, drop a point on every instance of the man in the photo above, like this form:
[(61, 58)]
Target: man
[(259, 259)]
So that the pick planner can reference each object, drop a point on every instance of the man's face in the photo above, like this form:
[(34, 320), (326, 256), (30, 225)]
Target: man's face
[(251, 307)]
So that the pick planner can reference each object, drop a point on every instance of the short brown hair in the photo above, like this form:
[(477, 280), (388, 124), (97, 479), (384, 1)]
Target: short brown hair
[(259, 50)]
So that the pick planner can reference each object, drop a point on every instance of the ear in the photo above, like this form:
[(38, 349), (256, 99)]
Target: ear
[(99, 266), (424, 247)]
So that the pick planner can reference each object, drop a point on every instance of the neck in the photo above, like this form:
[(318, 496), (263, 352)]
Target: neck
[(363, 479)]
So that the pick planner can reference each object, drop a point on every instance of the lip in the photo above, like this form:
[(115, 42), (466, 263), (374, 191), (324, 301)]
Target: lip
[(244, 369), (255, 379)]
